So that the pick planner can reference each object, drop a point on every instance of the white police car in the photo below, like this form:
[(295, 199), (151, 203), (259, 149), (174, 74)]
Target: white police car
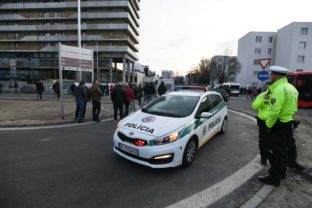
[(168, 131)]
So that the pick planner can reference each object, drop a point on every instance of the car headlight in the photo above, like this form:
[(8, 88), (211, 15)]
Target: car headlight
[(166, 139)]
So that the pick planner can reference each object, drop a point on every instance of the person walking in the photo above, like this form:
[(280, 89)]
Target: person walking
[(118, 97), (162, 89), (80, 94), (72, 88), (129, 98), (56, 88), (283, 101), (95, 94), (39, 89), (261, 104)]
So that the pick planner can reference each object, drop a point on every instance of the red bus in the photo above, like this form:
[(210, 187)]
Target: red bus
[(303, 82)]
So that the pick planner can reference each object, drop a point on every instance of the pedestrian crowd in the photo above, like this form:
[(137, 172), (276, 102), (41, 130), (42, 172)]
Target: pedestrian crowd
[(250, 92), (126, 97)]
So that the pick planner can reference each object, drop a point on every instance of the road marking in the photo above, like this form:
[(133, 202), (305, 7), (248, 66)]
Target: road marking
[(222, 188), (50, 127), (205, 197), (243, 115)]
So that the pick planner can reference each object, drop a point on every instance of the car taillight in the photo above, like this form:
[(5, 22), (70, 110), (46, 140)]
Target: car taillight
[(140, 142)]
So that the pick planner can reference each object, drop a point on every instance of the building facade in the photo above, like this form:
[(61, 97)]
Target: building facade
[(294, 46), (251, 47), (290, 46), (166, 74), (31, 30)]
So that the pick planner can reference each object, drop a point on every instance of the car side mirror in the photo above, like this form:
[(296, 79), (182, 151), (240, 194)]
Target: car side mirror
[(205, 115)]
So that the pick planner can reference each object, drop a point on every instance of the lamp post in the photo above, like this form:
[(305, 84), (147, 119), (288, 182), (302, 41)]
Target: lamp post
[(97, 61), (79, 33)]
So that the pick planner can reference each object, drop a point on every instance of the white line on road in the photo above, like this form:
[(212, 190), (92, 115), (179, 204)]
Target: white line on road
[(222, 188), (50, 127)]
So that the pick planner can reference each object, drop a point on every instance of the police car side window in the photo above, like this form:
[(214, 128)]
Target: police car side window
[(216, 100), (205, 105)]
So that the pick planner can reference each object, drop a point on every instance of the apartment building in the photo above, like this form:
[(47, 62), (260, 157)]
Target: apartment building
[(294, 46), (251, 47), (31, 30), (290, 46)]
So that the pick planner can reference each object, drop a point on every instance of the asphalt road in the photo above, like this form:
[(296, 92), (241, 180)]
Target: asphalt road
[(76, 167)]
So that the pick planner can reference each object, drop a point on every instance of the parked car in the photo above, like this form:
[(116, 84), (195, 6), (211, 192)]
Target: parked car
[(223, 93)]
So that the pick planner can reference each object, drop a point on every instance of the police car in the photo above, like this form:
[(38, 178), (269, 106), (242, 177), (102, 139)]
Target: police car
[(169, 131)]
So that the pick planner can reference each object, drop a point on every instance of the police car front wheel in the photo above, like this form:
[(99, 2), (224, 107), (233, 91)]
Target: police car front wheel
[(189, 152), (224, 126)]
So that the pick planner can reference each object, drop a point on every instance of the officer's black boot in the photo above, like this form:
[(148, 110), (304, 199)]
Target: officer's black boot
[(270, 180), (263, 161)]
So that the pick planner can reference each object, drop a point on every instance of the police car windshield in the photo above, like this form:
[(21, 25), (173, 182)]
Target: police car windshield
[(172, 106)]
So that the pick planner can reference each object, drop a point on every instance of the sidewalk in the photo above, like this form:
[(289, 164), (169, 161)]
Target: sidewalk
[(25, 110), (294, 192)]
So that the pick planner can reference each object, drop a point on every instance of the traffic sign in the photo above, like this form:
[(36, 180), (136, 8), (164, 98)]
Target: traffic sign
[(263, 75), (264, 62)]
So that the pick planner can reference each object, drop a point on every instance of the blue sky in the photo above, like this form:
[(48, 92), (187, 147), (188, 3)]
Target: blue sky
[(176, 34)]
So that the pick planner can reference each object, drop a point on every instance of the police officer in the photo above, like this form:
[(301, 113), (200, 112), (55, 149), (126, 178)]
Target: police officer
[(261, 103), (280, 115)]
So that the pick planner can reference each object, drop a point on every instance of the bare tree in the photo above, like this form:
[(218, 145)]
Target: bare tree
[(225, 68)]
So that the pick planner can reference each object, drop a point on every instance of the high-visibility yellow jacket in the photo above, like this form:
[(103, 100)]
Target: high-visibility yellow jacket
[(283, 102), (261, 104)]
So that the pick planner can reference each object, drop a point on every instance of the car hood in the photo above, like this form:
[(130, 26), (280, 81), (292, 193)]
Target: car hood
[(151, 125)]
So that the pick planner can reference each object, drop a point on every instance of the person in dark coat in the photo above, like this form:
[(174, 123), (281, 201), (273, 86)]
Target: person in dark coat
[(162, 89), (56, 88), (40, 89), (95, 93), (72, 88), (118, 97), (80, 94)]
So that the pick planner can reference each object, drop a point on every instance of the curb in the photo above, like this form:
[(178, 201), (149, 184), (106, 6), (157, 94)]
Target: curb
[(265, 191), (260, 196)]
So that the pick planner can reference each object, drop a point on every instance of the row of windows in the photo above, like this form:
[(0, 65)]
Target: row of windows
[(258, 51), (303, 31), (300, 60), (259, 39), (302, 45)]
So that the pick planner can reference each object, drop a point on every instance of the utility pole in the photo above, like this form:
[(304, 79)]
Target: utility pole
[(79, 34)]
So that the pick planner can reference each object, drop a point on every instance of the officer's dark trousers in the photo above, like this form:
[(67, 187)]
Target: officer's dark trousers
[(277, 144), (292, 151), (116, 107), (263, 134)]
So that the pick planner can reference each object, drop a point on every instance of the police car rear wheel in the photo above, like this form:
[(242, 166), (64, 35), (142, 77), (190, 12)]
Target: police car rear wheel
[(224, 126), (189, 153)]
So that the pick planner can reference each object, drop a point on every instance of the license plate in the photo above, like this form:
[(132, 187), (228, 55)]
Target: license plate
[(128, 149)]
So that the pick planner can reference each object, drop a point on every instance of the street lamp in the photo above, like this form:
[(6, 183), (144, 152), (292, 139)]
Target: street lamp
[(79, 34), (97, 61)]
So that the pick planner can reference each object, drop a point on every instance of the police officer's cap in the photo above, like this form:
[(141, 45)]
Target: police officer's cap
[(279, 70)]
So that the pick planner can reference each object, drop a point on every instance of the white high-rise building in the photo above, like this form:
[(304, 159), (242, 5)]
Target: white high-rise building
[(290, 46), (294, 46), (251, 47)]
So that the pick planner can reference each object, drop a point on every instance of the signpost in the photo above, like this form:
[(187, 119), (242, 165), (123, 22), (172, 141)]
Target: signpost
[(263, 75), (264, 62), (73, 59)]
